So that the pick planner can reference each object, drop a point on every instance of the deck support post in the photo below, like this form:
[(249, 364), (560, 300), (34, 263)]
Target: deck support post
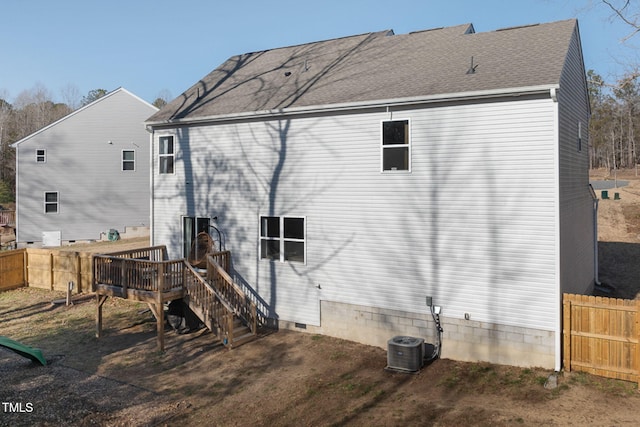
[(160, 307), (100, 299)]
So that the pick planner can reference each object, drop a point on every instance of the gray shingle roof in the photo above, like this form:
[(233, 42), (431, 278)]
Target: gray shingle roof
[(377, 66)]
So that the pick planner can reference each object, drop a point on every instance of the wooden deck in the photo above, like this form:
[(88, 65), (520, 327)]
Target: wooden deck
[(146, 275)]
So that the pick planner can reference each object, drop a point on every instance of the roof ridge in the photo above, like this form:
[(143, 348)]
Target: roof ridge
[(382, 33)]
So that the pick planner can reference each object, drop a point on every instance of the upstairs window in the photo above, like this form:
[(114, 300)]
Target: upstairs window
[(166, 154), (128, 160), (396, 153), (41, 155), (579, 136), (51, 202), (282, 238)]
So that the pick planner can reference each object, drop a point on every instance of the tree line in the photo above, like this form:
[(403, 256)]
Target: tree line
[(615, 121), (32, 110)]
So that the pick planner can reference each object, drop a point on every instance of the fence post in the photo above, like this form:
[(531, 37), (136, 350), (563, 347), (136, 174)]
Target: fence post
[(51, 272), (566, 331), (123, 277), (637, 367)]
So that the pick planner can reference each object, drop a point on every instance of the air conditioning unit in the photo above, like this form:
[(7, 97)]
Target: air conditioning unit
[(405, 353)]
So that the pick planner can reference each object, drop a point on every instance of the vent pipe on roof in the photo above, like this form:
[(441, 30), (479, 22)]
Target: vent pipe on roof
[(472, 68)]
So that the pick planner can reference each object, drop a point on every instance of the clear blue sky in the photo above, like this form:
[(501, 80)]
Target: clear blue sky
[(150, 46)]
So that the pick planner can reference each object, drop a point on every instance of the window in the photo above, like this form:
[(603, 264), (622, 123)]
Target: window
[(166, 154), (579, 136), (395, 146), (282, 238), (128, 160), (41, 155), (51, 202)]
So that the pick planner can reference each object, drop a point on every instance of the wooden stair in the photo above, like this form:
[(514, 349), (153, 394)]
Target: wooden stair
[(217, 313)]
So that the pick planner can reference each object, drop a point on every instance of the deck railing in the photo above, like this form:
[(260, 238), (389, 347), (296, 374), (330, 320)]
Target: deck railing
[(7, 218), (216, 300), (140, 269), (241, 304)]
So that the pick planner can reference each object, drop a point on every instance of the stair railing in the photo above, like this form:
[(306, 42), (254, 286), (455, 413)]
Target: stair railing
[(220, 279), (208, 305)]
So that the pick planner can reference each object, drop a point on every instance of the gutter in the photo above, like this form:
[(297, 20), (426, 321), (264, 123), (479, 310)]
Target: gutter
[(360, 105)]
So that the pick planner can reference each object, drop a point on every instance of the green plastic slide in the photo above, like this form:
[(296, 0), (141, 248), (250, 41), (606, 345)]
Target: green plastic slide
[(23, 350)]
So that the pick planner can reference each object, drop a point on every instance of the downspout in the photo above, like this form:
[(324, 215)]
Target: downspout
[(151, 190), (596, 273), (558, 323)]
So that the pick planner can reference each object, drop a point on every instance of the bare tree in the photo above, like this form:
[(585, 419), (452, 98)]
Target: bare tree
[(71, 96), (628, 11)]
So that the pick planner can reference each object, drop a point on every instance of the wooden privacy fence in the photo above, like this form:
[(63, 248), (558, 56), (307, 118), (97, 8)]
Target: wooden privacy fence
[(12, 269), (53, 269), (602, 336)]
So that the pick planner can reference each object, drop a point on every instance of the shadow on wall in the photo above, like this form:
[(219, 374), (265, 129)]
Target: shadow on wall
[(619, 269)]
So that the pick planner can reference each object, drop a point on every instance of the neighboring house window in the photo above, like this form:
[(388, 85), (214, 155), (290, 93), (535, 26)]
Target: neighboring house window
[(51, 202), (128, 160), (579, 136), (166, 154), (396, 153), (41, 155), (282, 238)]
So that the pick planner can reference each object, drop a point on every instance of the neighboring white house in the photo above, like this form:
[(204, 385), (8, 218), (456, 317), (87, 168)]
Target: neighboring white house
[(353, 178), (85, 174)]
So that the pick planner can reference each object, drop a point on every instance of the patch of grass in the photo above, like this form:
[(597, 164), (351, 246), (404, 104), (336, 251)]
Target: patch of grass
[(608, 386), (337, 355)]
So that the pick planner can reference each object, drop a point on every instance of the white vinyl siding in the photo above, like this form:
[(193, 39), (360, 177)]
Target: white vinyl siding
[(473, 225)]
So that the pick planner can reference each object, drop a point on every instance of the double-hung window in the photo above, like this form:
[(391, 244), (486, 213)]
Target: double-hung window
[(128, 160), (51, 200), (283, 238), (166, 154), (41, 155), (396, 148)]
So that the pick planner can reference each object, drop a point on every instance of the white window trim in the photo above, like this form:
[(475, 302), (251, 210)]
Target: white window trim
[(45, 203), (383, 147), (282, 239), (44, 155), (123, 161), (160, 156)]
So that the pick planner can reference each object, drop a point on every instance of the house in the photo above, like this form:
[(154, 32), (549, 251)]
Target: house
[(85, 174), (355, 179)]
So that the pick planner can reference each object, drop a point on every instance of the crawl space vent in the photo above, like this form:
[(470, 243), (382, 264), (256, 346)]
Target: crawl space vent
[(405, 353)]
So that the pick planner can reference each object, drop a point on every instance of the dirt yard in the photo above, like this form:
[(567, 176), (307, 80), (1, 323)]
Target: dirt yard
[(288, 378)]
